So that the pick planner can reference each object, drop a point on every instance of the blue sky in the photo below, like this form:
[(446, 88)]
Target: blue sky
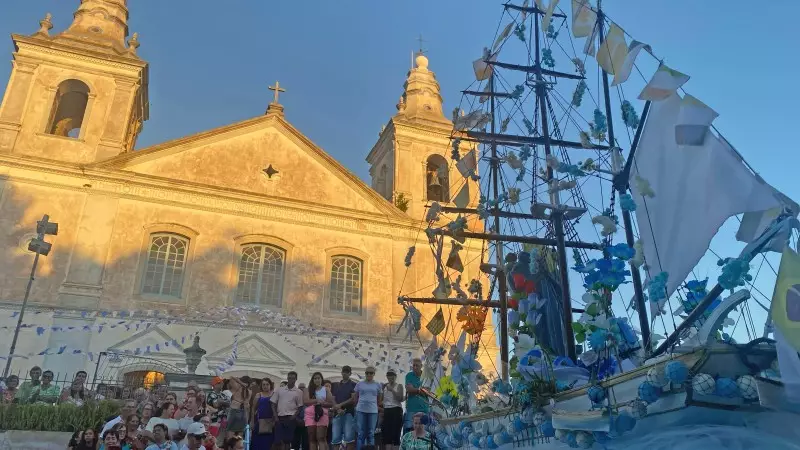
[(343, 63)]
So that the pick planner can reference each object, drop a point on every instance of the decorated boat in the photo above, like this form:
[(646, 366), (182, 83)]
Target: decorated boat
[(587, 369)]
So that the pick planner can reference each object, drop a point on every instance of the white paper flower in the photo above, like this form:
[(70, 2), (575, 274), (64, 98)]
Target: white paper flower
[(525, 343)]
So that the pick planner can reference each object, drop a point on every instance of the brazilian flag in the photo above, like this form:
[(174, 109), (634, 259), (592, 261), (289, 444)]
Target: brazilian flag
[(786, 298)]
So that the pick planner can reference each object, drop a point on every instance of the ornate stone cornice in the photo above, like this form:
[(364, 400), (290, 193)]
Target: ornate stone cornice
[(46, 46)]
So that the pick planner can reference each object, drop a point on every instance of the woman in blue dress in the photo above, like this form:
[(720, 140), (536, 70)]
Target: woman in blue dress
[(262, 440)]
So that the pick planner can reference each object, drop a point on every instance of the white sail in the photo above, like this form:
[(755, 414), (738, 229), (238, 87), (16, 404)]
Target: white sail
[(697, 186)]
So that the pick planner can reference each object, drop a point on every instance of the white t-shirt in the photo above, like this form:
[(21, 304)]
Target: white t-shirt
[(389, 399)]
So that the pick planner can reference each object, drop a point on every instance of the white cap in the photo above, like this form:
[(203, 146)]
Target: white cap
[(196, 428)]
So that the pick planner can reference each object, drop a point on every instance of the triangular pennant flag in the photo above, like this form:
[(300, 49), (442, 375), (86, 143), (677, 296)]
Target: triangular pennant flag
[(461, 200), (503, 36), (548, 15), (467, 164), (454, 259), (663, 84), (621, 74), (612, 52), (482, 69)]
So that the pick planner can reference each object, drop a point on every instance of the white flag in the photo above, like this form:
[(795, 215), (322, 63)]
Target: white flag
[(467, 164), (475, 119), (461, 200), (588, 47), (549, 11), (483, 70), (621, 74), (755, 223), (697, 188), (664, 83), (694, 121), (584, 18), (612, 52)]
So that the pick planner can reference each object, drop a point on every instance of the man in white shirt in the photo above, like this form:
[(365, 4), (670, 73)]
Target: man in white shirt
[(128, 408)]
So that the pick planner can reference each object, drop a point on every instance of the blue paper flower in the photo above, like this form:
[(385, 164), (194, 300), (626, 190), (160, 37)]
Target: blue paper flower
[(629, 116), (519, 31), (596, 394), (597, 339), (622, 251), (627, 203), (734, 272), (577, 96), (658, 287)]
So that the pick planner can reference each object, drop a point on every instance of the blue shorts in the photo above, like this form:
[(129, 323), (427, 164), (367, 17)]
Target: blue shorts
[(344, 429)]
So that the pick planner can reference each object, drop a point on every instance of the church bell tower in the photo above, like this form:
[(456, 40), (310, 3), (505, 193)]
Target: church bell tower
[(78, 96), (411, 163)]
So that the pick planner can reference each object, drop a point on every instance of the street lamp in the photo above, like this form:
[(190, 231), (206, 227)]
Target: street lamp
[(39, 247), (193, 355)]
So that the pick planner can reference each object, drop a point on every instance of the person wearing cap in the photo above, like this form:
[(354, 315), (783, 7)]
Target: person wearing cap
[(195, 435), (343, 412), (393, 396)]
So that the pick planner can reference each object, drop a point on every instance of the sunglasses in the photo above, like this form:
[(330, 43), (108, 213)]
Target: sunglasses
[(199, 436), (370, 373)]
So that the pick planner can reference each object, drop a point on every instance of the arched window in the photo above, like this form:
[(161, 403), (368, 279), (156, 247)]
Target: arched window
[(260, 275), (346, 286), (437, 180), (69, 108), (166, 264)]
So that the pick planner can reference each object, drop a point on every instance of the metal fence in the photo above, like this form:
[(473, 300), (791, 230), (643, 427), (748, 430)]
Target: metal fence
[(115, 375)]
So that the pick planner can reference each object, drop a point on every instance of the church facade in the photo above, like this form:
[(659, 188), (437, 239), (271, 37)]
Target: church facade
[(249, 215)]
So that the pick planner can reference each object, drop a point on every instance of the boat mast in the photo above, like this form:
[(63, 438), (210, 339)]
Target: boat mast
[(557, 216), (644, 324), (498, 244)]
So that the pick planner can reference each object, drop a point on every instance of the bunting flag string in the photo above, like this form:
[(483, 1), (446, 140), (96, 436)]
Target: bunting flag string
[(138, 351), (135, 326), (378, 354)]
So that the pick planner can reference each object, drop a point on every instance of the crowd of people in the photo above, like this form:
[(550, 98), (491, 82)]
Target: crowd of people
[(345, 415)]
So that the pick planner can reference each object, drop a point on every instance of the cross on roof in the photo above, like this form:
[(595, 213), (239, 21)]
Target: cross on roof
[(278, 89), (420, 40)]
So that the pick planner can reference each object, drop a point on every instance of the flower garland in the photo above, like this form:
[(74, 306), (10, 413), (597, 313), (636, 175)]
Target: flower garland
[(455, 154), (519, 31), (577, 96), (629, 116), (547, 58), (599, 127)]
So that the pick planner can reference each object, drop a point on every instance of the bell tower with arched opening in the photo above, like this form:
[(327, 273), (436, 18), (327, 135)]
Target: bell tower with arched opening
[(411, 164), (77, 96)]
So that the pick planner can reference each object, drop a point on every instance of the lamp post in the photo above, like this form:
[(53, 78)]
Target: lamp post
[(39, 247), (193, 355)]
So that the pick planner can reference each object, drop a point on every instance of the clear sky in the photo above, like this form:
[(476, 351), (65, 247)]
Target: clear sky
[(343, 63)]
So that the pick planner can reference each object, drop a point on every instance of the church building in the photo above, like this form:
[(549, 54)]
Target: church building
[(157, 244)]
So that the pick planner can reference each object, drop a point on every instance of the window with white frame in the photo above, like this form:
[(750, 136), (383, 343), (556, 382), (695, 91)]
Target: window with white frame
[(261, 268), (346, 285), (166, 265)]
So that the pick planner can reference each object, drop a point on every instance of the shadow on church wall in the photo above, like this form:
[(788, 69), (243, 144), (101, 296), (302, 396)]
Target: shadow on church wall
[(211, 272)]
